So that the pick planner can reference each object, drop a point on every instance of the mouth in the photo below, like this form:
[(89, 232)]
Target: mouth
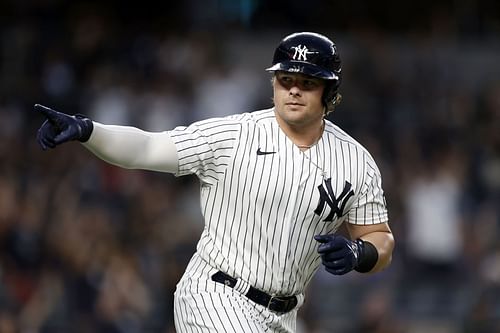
[(294, 104)]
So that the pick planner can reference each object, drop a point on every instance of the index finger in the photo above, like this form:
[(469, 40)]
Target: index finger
[(323, 238), (47, 112)]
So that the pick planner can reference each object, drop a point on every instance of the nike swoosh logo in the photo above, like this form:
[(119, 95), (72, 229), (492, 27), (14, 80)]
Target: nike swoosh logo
[(260, 152)]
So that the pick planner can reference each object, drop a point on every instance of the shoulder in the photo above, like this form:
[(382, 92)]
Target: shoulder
[(252, 121), (258, 117), (334, 132), (246, 117), (234, 124), (339, 137)]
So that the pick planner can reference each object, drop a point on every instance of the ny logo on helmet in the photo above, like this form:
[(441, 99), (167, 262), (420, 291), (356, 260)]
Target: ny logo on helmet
[(301, 52)]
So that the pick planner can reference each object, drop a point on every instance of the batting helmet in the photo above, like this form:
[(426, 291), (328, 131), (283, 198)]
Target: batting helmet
[(311, 54)]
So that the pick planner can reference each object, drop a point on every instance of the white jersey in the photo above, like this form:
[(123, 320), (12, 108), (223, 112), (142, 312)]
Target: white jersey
[(263, 199)]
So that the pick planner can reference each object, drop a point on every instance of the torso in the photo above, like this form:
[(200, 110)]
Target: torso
[(273, 198)]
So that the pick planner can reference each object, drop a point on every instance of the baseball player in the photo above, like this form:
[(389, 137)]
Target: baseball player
[(275, 186)]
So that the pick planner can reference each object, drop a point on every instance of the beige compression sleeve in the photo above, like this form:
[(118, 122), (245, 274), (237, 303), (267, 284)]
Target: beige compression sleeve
[(132, 148)]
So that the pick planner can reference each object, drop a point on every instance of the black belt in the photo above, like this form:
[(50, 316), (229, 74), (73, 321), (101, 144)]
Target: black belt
[(274, 303)]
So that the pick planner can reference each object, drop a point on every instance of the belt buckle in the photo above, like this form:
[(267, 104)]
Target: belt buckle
[(285, 301)]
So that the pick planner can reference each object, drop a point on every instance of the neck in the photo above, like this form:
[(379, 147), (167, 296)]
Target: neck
[(303, 136)]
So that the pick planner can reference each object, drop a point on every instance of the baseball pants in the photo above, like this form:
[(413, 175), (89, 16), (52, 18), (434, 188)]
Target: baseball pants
[(204, 306)]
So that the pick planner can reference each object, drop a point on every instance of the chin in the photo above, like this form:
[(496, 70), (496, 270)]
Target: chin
[(295, 119)]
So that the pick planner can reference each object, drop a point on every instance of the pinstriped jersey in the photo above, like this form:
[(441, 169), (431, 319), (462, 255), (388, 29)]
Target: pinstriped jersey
[(263, 199)]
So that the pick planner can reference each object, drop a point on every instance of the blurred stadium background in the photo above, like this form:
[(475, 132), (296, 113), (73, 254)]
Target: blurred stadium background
[(87, 247)]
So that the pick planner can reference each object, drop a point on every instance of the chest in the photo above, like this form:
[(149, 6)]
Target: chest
[(282, 180)]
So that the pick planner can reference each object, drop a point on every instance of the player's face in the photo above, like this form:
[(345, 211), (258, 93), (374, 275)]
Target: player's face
[(297, 98)]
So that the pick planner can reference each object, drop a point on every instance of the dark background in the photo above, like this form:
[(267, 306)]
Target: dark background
[(88, 247)]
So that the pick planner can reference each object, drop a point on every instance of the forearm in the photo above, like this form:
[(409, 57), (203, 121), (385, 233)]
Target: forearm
[(384, 243), (132, 148)]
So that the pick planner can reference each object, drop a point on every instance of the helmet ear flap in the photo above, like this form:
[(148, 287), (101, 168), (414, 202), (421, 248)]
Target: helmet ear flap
[(331, 98)]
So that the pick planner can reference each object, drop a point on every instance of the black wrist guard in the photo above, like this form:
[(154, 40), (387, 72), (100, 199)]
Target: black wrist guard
[(368, 256), (85, 127)]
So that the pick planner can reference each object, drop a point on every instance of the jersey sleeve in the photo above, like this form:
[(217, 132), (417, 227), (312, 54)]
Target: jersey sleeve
[(205, 148), (370, 206)]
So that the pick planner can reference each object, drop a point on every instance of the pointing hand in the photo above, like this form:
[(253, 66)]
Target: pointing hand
[(60, 127)]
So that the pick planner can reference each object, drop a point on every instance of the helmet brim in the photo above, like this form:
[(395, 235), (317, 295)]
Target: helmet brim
[(304, 68)]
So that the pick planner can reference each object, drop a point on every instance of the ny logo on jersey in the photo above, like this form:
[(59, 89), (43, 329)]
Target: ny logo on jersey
[(337, 205), (301, 52)]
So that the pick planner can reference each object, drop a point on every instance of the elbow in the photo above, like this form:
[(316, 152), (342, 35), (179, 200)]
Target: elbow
[(386, 251)]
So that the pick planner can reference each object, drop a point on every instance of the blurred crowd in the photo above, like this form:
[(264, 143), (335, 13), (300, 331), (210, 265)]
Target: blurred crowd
[(88, 247)]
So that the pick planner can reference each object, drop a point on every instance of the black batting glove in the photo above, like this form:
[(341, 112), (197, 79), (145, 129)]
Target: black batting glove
[(60, 127), (341, 255)]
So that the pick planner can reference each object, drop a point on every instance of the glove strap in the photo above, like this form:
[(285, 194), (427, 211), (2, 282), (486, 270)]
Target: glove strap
[(368, 256), (85, 127)]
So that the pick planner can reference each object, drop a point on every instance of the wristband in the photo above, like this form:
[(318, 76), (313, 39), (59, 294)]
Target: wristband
[(368, 256), (85, 127)]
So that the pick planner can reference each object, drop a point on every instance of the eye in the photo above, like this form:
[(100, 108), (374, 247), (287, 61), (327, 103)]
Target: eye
[(285, 78), (311, 84)]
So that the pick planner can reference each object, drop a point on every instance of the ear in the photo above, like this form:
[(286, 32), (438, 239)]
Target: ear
[(338, 98), (332, 103)]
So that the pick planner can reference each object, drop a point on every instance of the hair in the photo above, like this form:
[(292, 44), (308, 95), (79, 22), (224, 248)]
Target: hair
[(331, 97), (332, 103)]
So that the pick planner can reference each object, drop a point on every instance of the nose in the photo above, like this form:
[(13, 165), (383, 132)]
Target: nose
[(294, 90)]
